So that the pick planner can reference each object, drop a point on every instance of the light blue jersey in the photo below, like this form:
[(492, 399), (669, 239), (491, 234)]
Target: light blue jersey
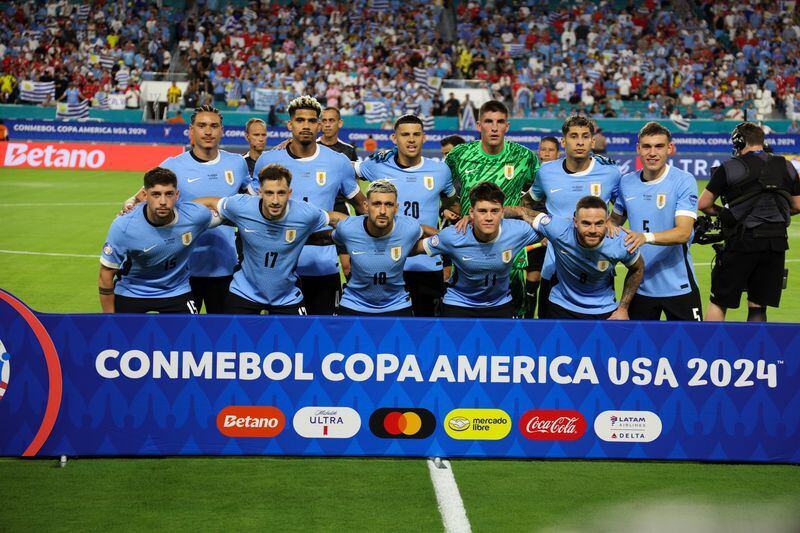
[(376, 264), (154, 259), (481, 277), (271, 247), (585, 275), (317, 180), (652, 206), (419, 189), (561, 190), (215, 253)]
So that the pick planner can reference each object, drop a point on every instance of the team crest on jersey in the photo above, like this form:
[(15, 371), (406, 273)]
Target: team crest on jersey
[(661, 200), (595, 189), (322, 176), (291, 235), (107, 249), (229, 177), (5, 369), (396, 252), (186, 238), (508, 171), (428, 182), (603, 265), (507, 256)]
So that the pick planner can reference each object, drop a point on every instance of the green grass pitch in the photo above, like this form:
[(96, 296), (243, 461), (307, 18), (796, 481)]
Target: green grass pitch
[(66, 214)]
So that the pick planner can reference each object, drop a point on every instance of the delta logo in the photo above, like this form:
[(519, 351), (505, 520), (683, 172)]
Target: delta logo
[(5, 369), (326, 422), (402, 423), (552, 424), (251, 421), (477, 424), (628, 426)]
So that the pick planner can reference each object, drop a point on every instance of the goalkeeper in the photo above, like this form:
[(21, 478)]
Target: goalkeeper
[(509, 165)]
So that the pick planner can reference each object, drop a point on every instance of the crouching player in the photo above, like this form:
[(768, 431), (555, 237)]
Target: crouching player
[(150, 246)]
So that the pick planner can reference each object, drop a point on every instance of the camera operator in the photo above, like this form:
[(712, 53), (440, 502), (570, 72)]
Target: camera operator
[(759, 192)]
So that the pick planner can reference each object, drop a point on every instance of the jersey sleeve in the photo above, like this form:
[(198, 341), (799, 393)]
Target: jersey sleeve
[(348, 186), (619, 203), (437, 244), (550, 227), (230, 207), (686, 205), (339, 233), (319, 219), (365, 169), (536, 192), (448, 188), (528, 235), (717, 183), (114, 250), (243, 178)]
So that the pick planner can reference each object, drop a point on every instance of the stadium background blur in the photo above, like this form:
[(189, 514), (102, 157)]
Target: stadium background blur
[(697, 66)]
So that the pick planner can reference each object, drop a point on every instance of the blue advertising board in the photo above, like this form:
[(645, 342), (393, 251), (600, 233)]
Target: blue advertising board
[(163, 133), (341, 386)]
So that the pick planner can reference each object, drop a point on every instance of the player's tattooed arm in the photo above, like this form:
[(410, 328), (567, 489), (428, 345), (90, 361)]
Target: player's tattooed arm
[(522, 213), (335, 217), (614, 224), (451, 208), (131, 202), (105, 284), (428, 231), (359, 203), (632, 282)]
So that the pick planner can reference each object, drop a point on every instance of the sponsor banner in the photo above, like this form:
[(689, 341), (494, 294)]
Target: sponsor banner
[(83, 156), (162, 133), (350, 386)]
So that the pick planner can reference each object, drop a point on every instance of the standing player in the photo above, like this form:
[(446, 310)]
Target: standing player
[(547, 151), (330, 124), (450, 142), (274, 229), (660, 202), (508, 165), (482, 257), (205, 170), (151, 244), (423, 186), (561, 183), (379, 245), (584, 263), (318, 174), (255, 131)]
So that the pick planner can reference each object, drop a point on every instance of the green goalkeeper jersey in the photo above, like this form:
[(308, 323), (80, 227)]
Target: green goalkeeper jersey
[(512, 169)]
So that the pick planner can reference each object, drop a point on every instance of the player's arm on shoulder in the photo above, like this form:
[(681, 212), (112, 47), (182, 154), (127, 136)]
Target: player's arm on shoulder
[(210, 202), (334, 217), (321, 238), (680, 234), (130, 203), (359, 202), (632, 281), (520, 213)]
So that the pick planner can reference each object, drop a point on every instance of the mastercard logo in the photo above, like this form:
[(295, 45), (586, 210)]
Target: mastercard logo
[(402, 423)]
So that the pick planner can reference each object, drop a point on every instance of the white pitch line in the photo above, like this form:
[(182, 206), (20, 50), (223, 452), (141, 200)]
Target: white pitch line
[(60, 204), (451, 507), (53, 254)]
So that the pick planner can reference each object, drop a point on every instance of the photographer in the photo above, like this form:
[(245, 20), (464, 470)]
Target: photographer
[(759, 192)]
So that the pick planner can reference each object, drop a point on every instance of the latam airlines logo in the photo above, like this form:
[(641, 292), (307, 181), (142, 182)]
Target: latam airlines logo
[(627, 426), (326, 422), (552, 424), (250, 421), (477, 424), (5, 369), (402, 423)]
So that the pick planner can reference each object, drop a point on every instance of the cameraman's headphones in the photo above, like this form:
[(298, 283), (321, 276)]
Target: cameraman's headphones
[(737, 139)]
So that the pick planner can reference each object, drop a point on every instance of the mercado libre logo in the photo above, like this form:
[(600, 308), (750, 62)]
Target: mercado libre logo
[(20, 320)]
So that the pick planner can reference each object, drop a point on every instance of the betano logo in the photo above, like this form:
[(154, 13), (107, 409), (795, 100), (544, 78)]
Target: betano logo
[(5, 369), (402, 423), (627, 426), (261, 421), (326, 422), (477, 424)]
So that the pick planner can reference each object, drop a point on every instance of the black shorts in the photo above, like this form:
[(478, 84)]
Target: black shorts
[(544, 296), (426, 290), (183, 304), (212, 292), (346, 311), (685, 307), (536, 259), (236, 305), (760, 274), (505, 310), (555, 311), (321, 293)]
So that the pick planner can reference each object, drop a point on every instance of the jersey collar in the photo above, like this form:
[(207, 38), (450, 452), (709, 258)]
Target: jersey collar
[(658, 179), (582, 172), (311, 157)]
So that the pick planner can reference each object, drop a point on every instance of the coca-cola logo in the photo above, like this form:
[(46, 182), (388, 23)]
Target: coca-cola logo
[(552, 424)]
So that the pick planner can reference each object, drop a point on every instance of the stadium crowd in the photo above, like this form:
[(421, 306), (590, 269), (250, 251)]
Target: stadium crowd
[(607, 59)]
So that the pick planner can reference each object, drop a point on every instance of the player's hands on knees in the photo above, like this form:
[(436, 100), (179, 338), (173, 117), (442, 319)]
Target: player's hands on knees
[(462, 225), (619, 313), (634, 240), (283, 144)]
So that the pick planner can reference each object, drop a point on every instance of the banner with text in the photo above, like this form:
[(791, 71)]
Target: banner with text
[(84, 156), (226, 385)]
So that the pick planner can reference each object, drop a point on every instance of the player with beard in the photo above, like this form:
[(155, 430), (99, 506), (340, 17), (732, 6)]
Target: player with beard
[(318, 175)]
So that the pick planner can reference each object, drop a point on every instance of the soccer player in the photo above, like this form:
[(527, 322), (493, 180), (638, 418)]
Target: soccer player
[(561, 183), (151, 245), (482, 257), (660, 202), (274, 229), (450, 142), (548, 149), (255, 131), (509, 165), (379, 245), (205, 170), (584, 263), (318, 174), (423, 186)]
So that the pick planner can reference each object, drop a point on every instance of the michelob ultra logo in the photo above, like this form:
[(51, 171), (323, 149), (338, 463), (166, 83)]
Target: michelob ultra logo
[(402, 423), (250, 421), (477, 424), (326, 422)]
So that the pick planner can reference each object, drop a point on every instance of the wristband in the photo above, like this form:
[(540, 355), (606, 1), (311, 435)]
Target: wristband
[(650, 238), (105, 292)]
